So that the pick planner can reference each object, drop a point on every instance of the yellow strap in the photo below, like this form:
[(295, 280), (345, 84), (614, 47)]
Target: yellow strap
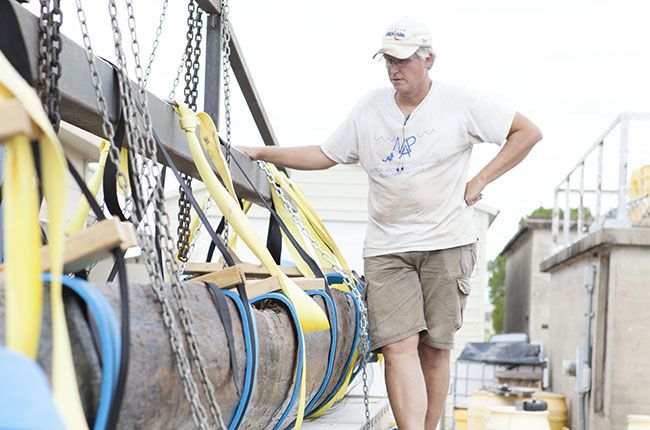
[(53, 167), (288, 220), (124, 167), (78, 220), (311, 316), (210, 143), (310, 218)]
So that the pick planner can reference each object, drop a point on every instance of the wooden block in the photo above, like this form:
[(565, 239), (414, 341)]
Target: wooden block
[(225, 278), (271, 284), (91, 245), (248, 269), (14, 120)]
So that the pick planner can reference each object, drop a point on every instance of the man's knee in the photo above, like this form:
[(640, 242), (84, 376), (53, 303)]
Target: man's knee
[(401, 349), (433, 356)]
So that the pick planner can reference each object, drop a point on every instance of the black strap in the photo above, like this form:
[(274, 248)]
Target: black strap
[(221, 304), (274, 238), (204, 219), (241, 289)]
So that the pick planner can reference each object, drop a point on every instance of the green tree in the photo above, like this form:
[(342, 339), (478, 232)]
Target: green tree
[(542, 212), (497, 286)]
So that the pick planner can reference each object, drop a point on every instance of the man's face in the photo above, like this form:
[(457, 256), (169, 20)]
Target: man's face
[(409, 74)]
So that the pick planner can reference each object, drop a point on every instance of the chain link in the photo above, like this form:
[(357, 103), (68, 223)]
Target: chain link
[(151, 174), (192, 56), (363, 348), (142, 146), (49, 67), (225, 70), (156, 42)]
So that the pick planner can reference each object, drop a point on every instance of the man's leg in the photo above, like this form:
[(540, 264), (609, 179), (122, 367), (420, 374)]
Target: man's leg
[(436, 368), (405, 383)]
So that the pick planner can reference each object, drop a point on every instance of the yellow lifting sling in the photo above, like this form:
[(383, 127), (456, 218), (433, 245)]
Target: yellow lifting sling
[(311, 316), (24, 288)]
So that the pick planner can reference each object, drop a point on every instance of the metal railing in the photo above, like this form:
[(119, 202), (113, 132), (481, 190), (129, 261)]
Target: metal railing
[(574, 183)]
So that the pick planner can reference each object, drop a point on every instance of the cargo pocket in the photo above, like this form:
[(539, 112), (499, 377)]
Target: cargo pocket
[(464, 288)]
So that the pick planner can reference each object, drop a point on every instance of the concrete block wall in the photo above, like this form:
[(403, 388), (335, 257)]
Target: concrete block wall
[(620, 380)]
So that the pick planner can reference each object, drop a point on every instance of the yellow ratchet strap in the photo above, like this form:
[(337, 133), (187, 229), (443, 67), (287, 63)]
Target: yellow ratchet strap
[(311, 316), (24, 288), (78, 220)]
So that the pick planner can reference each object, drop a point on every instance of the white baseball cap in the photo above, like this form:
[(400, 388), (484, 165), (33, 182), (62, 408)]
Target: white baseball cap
[(402, 38)]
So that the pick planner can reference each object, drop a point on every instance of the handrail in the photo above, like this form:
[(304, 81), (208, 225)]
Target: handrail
[(565, 186)]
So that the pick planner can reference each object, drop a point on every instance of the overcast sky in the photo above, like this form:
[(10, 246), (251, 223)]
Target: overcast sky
[(571, 66)]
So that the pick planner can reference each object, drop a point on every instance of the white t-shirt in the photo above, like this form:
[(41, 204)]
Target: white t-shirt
[(417, 166)]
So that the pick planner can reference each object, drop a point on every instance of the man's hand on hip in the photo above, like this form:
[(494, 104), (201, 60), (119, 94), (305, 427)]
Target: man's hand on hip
[(473, 191)]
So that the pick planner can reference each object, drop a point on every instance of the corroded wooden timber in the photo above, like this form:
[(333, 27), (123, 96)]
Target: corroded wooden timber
[(154, 395)]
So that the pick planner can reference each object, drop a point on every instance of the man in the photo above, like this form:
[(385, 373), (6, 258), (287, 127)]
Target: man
[(414, 141)]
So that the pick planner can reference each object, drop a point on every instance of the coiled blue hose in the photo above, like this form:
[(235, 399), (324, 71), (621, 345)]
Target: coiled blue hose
[(109, 341), (292, 312), (250, 374)]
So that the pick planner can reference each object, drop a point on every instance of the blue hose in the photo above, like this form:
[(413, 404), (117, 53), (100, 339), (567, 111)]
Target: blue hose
[(250, 375), (332, 354), (109, 341), (299, 335), (352, 350)]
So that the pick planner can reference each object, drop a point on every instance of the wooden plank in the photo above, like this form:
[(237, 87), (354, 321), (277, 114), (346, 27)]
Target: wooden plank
[(271, 284), (225, 278), (248, 269), (15, 120), (91, 244)]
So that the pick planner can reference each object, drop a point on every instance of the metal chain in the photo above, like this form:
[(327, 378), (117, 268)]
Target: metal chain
[(151, 174), (49, 67), (192, 56), (225, 70), (363, 341), (101, 104), (156, 42), (146, 240), (177, 79), (182, 362), (196, 233)]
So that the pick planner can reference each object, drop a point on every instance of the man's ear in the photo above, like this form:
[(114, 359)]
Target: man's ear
[(433, 60)]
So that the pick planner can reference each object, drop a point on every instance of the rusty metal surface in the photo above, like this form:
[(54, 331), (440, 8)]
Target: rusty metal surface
[(154, 396)]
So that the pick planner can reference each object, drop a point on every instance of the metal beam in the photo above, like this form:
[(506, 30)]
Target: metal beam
[(210, 6), (245, 81), (78, 106)]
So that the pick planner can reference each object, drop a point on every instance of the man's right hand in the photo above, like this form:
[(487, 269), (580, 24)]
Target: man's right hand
[(251, 151)]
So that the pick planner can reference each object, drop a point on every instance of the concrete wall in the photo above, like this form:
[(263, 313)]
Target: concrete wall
[(620, 342), (540, 299), (518, 274)]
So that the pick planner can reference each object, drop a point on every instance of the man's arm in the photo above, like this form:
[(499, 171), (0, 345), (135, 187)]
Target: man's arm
[(522, 137), (297, 157)]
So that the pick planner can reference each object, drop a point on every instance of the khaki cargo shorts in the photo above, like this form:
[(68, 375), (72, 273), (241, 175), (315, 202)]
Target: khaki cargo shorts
[(421, 292)]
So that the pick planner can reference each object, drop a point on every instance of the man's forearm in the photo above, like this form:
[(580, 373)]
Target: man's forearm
[(298, 157), (513, 152)]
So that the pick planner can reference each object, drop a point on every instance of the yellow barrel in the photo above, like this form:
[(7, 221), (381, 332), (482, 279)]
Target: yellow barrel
[(638, 422), (639, 186), (509, 418), (460, 417), (557, 409), (479, 408)]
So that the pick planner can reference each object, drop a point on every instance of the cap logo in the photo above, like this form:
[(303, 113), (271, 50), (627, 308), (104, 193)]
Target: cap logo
[(396, 33)]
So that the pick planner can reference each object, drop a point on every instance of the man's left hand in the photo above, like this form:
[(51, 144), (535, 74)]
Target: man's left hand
[(473, 191)]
